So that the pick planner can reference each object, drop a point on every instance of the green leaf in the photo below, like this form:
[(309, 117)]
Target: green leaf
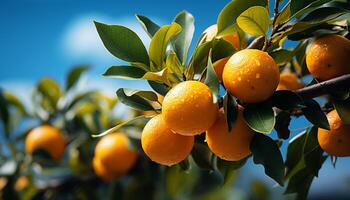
[(315, 115), (50, 90), (284, 14), (16, 102), (230, 110), (212, 80), (283, 120), (286, 100), (228, 168), (300, 183), (343, 110), (120, 125), (148, 25), (254, 21), (232, 10), (266, 152), (259, 117), (126, 72), (149, 95), (183, 41), (299, 8), (295, 154), (202, 156), (221, 49), (282, 56), (160, 42), (158, 87), (123, 43), (74, 75), (134, 100)]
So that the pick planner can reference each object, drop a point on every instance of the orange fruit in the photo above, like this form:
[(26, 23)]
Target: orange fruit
[(231, 146), (289, 81), (21, 183), (219, 67), (47, 138), (328, 56), (335, 142), (251, 75), (188, 108), (101, 171), (232, 38), (164, 146), (115, 154)]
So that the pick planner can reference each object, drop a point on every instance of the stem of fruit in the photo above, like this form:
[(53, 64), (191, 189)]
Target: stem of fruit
[(274, 26), (341, 83)]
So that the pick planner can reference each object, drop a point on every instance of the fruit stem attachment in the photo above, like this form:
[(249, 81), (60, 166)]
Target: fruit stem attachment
[(341, 83)]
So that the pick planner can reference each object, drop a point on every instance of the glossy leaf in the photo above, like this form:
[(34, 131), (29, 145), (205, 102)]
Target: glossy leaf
[(212, 80), (183, 41), (231, 110), (266, 152), (160, 41), (299, 8), (148, 25), (135, 101), (74, 75), (282, 56), (126, 72), (254, 21), (284, 14), (51, 90), (226, 168), (232, 10), (343, 110), (123, 43), (315, 115), (259, 117), (158, 87)]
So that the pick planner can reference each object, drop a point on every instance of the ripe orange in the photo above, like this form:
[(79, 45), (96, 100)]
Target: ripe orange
[(328, 57), (101, 171), (289, 81), (164, 146), (232, 38), (47, 138), (251, 75), (219, 67), (115, 154), (231, 146), (188, 108), (335, 142)]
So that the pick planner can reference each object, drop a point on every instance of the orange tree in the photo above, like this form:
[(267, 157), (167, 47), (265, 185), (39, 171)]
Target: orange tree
[(224, 95)]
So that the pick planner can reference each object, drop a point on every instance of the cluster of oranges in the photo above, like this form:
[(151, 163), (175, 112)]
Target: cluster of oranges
[(188, 109)]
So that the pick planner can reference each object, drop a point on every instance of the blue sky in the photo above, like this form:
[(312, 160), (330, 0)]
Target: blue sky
[(46, 37)]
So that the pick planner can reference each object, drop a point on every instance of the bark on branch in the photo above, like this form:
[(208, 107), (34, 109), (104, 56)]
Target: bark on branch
[(341, 83)]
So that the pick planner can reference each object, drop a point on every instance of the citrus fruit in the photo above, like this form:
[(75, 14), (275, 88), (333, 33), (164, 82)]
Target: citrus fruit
[(162, 145), (328, 57), (289, 81), (219, 67), (251, 75), (188, 108), (230, 146), (115, 154), (101, 171), (335, 142), (47, 138)]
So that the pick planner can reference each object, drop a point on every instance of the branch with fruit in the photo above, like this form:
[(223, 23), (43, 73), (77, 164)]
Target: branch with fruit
[(218, 107)]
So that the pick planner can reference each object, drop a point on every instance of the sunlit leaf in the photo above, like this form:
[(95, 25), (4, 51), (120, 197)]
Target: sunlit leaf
[(255, 21)]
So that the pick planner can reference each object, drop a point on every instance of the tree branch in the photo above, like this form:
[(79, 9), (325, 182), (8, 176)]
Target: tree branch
[(341, 83)]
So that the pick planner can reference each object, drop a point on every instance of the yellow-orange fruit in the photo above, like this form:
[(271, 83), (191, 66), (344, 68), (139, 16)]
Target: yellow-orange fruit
[(328, 57), (47, 138), (233, 38), (162, 145), (115, 154), (289, 81), (231, 146), (251, 75), (335, 142), (188, 108), (101, 171), (219, 67)]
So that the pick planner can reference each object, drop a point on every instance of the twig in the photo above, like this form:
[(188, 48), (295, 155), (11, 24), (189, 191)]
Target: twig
[(274, 27), (257, 43)]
